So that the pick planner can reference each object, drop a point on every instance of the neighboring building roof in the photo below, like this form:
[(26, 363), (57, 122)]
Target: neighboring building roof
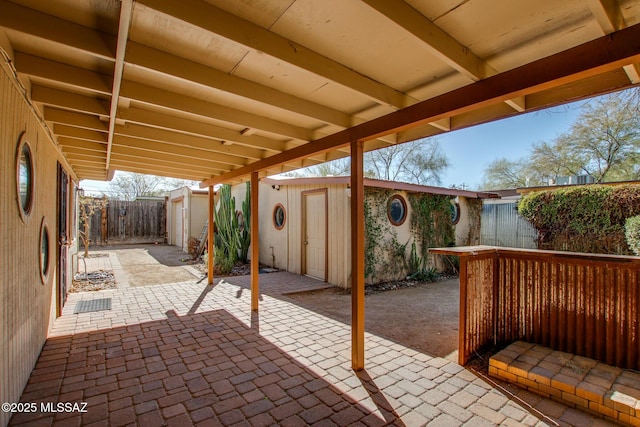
[(379, 183), (508, 192), (527, 190), (151, 198), (192, 190)]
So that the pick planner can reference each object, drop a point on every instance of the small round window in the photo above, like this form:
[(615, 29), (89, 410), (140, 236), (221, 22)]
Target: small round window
[(45, 257), (279, 216), (397, 210), (455, 213), (24, 177)]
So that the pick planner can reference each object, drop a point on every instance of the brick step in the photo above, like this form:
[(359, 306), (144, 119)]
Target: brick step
[(583, 383)]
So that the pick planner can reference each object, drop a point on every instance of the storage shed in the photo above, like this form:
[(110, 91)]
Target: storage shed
[(305, 224), (186, 215)]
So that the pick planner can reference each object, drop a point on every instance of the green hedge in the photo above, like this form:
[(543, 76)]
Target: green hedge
[(588, 218), (632, 233)]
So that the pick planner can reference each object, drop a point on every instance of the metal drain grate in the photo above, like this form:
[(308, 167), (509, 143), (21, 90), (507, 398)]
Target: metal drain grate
[(89, 306)]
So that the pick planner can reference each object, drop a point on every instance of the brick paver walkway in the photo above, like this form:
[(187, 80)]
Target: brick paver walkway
[(190, 354)]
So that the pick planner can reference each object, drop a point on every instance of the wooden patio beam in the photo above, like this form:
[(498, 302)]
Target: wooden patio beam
[(48, 27), (126, 12), (68, 100), (179, 124), (175, 101), (71, 118), (587, 60), (259, 39), (255, 245), (62, 73), (210, 237), (180, 68), (357, 255)]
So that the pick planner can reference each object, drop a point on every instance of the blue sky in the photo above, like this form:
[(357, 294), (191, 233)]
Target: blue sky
[(471, 150)]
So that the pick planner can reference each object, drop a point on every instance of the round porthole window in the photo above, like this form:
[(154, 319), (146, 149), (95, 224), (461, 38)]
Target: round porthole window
[(397, 210), (45, 253), (279, 216), (24, 177), (455, 212)]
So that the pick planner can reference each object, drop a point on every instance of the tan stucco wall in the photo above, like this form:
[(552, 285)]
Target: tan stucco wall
[(27, 305), (283, 248), (178, 200), (198, 215), (462, 227), (194, 216)]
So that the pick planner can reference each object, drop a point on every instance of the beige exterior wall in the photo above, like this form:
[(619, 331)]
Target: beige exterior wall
[(193, 216), (339, 230), (462, 227), (27, 305), (198, 214), (176, 225), (283, 248)]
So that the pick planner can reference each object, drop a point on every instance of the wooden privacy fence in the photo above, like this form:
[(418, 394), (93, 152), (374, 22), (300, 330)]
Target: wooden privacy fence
[(579, 303), (138, 221)]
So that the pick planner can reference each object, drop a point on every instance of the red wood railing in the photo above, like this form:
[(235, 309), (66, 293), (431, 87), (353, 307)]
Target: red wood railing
[(584, 304)]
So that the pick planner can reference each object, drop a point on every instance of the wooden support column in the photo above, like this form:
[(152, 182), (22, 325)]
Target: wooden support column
[(210, 238), (255, 253), (357, 255)]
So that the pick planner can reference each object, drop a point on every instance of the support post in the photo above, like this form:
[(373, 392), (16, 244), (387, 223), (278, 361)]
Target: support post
[(357, 255), (462, 321), (255, 244), (210, 237)]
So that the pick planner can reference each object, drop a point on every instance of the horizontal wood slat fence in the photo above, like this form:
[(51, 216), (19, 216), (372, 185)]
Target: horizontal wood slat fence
[(583, 304), (138, 221)]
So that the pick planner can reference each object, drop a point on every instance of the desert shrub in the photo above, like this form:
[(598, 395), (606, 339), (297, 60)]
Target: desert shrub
[(223, 264)]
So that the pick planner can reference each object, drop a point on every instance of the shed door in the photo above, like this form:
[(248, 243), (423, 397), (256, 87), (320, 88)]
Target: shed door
[(314, 244), (177, 224)]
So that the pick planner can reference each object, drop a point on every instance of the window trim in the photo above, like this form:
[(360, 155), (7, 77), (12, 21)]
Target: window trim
[(45, 270), (456, 207), (404, 206), (25, 212), (284, 216)]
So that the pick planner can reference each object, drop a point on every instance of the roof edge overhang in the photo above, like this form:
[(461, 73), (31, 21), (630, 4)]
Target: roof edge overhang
[(379, 183)]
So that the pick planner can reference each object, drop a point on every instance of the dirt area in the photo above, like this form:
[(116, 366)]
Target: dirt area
[(424, 316), (149, 264)]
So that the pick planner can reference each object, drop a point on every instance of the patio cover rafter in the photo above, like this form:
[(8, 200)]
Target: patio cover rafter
[(589, 59), (259, 39)]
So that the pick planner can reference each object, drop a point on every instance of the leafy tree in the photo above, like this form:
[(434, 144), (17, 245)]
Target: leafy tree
[(505, 173), (604, 142), (420, 162), (338, 167), (129, 186), (607, 134)]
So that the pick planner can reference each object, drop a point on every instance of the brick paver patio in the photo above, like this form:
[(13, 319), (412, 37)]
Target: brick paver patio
[(191, 354)]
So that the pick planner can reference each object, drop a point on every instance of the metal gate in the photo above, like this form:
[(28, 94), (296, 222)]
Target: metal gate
[(502, 226)]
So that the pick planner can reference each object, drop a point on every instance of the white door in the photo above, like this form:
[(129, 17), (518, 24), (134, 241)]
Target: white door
[(177, 224), (315, 235)]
